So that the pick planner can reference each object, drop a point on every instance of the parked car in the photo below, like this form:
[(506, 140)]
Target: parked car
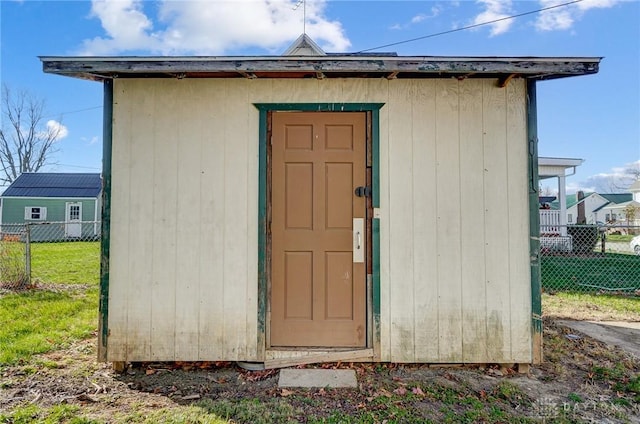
[(635, 245)]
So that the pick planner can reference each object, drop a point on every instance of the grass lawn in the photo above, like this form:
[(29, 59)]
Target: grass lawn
[(586, 306), (40, 320), (611, 272), (66, 263), (620, 237)]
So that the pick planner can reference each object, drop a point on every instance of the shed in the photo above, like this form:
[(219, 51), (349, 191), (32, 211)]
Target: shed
[(72, 199), (324, 207)]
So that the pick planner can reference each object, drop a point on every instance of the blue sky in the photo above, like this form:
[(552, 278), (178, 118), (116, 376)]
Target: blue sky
[(595, 118)]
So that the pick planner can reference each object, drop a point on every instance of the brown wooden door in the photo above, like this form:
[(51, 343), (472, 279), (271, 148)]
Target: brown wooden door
[(317, 291)]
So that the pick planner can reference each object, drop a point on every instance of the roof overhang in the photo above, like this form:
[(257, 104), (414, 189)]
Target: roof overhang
[(556, 167), (330, 66)]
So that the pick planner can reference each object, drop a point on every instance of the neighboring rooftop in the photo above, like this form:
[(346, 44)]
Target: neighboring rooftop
[(612, 199), (617, 197), (53, 184), (557, 167)]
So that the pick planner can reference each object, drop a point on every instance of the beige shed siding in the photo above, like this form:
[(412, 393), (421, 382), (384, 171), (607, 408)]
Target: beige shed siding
[(454, 217)]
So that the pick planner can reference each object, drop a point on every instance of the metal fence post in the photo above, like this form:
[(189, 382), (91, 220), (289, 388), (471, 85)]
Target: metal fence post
[(27, 253)]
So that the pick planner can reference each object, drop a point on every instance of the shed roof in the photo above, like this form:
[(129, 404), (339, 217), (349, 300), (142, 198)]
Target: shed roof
[(349, 65), (53, 184)]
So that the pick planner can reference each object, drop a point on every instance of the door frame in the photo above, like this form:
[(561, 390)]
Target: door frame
[(68, 224), (373, 313)]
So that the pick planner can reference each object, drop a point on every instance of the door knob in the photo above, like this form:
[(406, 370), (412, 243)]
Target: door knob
[(363, 191)]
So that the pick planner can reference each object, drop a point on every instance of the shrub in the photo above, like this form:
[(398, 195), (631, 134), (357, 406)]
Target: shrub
[(584, 237)]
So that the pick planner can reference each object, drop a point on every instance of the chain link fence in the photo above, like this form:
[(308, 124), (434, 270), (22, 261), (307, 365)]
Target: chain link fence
[(590, 258), (14, 260), (585, 258), (17, 240)]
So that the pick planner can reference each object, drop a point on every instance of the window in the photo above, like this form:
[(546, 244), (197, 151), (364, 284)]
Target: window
[(35, 213), (570, 218), (74, 212)]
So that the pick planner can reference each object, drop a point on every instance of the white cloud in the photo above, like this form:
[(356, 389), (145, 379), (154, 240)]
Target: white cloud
[(126, 27), (90, 141), (596, 4), (562, 18), (495, 9), (420, 17), (616, 180), (210, 27), (559, 18), (57, 130)]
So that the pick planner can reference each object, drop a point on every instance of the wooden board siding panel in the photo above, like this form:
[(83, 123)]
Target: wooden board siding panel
[(497, 201), (251, 272), (235, 220), (379, 92), (212, 185), (519, 266), (401, 271), (432, 198), (187, 239), (140, 198), (425, 304), (455, 303), (472, 232), (289, 91), (449, 194), (157, 125), (119, 240)]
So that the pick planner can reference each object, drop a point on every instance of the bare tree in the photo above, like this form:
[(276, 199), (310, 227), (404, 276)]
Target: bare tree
[(630, 213), (26, 141), (630, 174)]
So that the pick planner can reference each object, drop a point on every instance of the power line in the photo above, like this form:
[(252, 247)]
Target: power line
[(73, 111), (472, 26), (76, 166)]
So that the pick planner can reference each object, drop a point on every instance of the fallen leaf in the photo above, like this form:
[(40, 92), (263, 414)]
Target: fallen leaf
[(417, 391), (400, 391), (285, 392), (150, 371), (85, 398), (191, 397), (382, 392)]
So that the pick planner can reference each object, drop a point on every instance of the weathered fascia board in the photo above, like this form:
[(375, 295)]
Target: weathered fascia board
[(105, 67)]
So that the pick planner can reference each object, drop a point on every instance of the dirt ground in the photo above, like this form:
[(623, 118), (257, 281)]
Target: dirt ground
[(581, 380)]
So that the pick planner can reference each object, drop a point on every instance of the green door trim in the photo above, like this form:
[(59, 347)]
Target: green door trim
[(263, 272)]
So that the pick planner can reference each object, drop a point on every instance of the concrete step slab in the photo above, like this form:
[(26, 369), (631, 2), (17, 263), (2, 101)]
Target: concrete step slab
[(317, 378)]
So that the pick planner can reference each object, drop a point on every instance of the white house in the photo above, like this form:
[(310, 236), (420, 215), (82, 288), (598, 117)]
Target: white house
[(599, 208), (555, 221)]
